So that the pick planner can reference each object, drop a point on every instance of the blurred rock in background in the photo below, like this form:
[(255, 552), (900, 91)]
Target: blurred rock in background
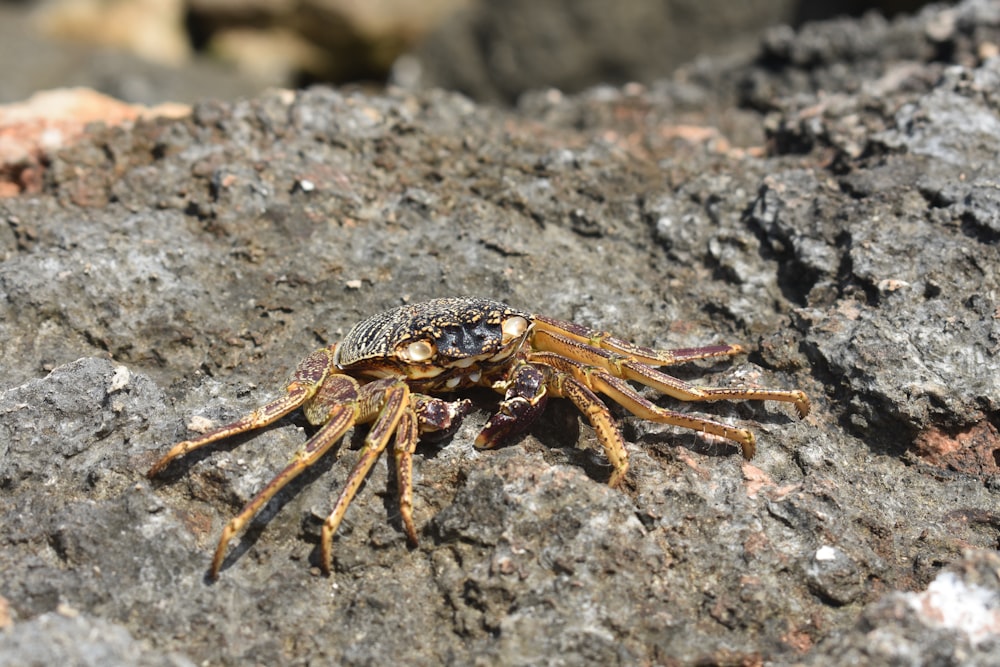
[(147, 51)]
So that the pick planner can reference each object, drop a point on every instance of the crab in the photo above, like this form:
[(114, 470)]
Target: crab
[(390, 370)]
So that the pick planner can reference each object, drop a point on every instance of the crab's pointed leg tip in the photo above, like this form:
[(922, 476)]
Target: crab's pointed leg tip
[(802, 405)]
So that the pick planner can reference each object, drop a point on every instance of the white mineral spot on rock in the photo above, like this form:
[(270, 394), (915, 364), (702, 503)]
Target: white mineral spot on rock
[(826, 553)]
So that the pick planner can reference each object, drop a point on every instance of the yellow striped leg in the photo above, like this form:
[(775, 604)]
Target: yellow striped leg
[(341, 418), (428, 416), (608, 434), (629, 368), (393, 403), (597, 379), (605, 341), (407, 435), (307, 378)]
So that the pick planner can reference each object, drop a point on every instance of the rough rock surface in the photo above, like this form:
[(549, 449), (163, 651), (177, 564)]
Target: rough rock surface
[(175, 273)]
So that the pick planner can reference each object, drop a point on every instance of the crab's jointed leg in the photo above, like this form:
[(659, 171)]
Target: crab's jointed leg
[(340, 417), (427, 415), (599, 380), (605, 341), (308, 377), (407, 435), (525, 393), (392, 398), (626, 366), (609, 435)]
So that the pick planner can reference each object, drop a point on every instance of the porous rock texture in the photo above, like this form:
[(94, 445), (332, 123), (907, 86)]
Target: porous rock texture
[(832, 205)]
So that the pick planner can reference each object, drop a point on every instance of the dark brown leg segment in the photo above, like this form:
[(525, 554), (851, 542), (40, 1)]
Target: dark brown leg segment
[(524, 399)]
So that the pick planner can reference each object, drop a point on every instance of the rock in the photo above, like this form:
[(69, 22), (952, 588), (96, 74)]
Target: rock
[(175, 271), (71, 638), (34, 129)]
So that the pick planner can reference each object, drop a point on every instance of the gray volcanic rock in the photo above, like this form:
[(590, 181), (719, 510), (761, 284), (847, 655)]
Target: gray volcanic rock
[(174, 273)]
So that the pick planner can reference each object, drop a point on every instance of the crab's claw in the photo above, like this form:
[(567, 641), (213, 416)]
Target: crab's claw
[(524, 400), (439, 419)]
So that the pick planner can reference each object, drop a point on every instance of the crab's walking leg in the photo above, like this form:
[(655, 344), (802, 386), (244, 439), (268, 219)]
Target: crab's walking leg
[(427, 415), (557, 329), (629, 368), (307, 378), (597, 379), (608, 433), (684, 391), (342, 417), (626, 396), (407, 435), (391, 403)]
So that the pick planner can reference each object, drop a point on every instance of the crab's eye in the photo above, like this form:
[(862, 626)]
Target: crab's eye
[(418, 350), (513, 327)]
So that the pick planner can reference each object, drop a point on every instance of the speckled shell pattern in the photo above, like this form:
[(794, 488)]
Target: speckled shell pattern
[(459, 326)]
